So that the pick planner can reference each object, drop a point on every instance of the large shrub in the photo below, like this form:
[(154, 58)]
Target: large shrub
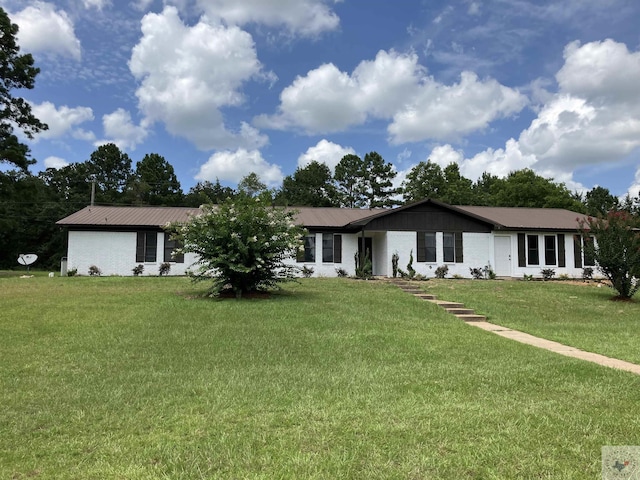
[(616, 249), (241, 244)]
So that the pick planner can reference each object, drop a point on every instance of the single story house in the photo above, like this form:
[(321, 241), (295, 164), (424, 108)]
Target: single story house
[(511, 241)]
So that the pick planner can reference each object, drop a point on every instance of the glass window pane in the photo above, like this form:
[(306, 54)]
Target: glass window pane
[(327, 247), (532, 250), (430, 246), (549, 250), (448, 247)]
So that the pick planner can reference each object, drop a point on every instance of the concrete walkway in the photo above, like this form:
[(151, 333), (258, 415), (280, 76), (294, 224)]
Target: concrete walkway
[(469, 317), (557, 347)]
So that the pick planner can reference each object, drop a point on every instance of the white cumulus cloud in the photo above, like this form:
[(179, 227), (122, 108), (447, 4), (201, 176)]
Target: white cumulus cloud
[(188, 73), (593, 119), (45, 29), (302, 17), (120, 129), (392, 87), (440, 111), (325, 152), (55, 162), (61, 120), (232, 166)]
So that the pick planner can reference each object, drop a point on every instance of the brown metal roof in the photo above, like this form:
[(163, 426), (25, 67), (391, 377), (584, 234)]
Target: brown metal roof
[(332, 217), (510, 218), (519, 218), (128, 216)]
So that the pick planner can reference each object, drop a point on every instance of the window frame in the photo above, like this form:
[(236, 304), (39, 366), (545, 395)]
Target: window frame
[(169, 246), (146, 246), (550, 252), (448, 247), (308, 254), (331, 248), (426, 247)]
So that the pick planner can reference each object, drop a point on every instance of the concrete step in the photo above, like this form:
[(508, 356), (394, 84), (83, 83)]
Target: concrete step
[(426, 296), (460, 311), (447, 305), (472, 318)]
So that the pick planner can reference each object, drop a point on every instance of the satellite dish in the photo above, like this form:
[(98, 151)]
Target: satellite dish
[(27, 258)]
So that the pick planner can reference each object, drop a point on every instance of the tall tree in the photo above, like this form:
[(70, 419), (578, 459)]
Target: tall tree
[(524, 188), (27, 220), (378, 178), (251, 185), (206, 192), (155, 183), (458, 189), (110, 168), (631, 204), (425, 180), (310, 186), (616, 249), (599, 201), (349, 179), (485, 188), (16, 72)]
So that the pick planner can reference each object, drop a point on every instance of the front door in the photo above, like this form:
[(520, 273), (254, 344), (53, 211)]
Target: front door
[(368, 244), (502, 252)]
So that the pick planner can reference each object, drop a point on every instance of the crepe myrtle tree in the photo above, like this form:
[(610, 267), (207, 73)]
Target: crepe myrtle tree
[(241, 244), (616, 249)]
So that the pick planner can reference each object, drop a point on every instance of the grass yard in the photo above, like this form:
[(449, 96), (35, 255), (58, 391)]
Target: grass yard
[(582, 315), (134, 378)]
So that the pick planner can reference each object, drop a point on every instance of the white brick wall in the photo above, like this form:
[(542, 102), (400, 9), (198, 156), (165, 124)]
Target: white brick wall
[(114, 253)]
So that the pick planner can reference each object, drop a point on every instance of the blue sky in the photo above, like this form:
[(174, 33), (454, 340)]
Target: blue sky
[(222, 88)]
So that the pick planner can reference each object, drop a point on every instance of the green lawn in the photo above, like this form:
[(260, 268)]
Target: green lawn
[(583, 315), (136, 378)]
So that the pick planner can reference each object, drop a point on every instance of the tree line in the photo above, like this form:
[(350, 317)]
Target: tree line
[(31, 204)]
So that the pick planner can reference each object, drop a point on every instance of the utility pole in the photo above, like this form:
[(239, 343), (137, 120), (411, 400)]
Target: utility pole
[(93, 189)]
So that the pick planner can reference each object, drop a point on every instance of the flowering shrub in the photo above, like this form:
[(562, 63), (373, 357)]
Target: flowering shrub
[(616, 249), (241, 244)]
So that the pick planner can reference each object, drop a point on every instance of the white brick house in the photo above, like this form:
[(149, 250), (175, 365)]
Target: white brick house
[(511, 241)]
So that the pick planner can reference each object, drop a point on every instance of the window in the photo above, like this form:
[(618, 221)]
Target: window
[(146, 246), (331, 248), (452, 250), (169, 246), (579, 254), (448, 247), (533, 255), (309, 252), (426, 247), (549, 250)]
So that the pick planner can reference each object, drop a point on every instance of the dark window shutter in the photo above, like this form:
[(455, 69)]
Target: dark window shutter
[(337, 249), (459, 255), (421, 252), (562, 261), (577, 251), (522, 253), (140, 246)]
